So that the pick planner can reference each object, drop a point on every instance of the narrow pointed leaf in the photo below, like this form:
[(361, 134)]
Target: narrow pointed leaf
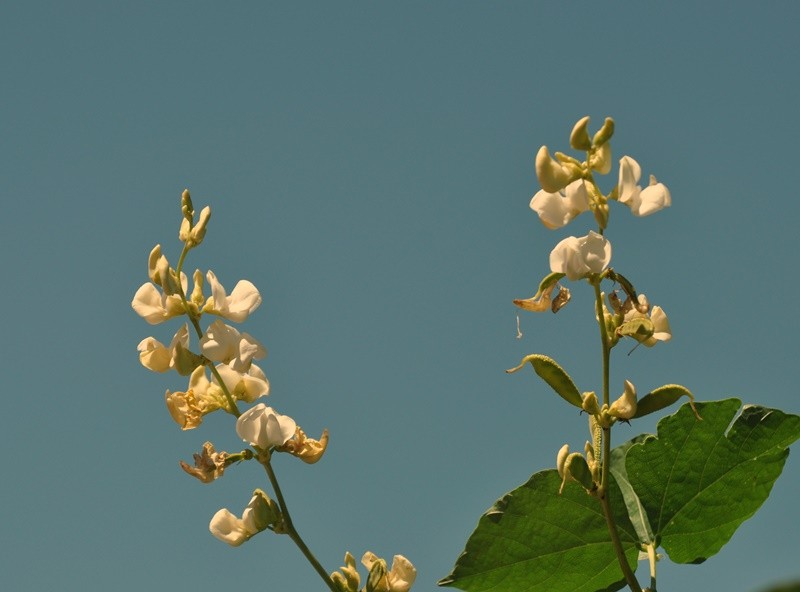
[(536, 540), (661, 398), (699, 480), (636, 511), (555, 376)]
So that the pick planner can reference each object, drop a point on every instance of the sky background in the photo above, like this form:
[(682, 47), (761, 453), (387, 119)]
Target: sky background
[(369, 167)]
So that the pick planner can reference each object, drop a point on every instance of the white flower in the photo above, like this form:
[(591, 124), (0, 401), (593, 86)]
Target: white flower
[(642, 202), (246, 386), (261, 426), (557, 209), (658, 318), (230, 529), (579, 257), (398, 579), (223, 343), (156, 357), (237, 307), (154, 306)]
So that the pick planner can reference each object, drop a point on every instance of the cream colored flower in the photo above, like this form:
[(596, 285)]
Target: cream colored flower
[(244, 386), (156, 357), (237, 307), (262, 426), (156, 307), (201, 398), (642, 202), (557, 209), (399, 578), (659, 329), (229, 528), (580, 257), (223, 343)]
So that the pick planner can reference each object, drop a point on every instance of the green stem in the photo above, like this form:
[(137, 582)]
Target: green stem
[(196, 324), (602, 493), (291, 530), (651, 555)]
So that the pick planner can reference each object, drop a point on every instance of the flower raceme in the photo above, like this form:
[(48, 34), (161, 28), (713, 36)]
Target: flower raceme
[(580, 257)]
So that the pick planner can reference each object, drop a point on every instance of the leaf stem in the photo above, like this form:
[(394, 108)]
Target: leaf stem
[(290, 529)]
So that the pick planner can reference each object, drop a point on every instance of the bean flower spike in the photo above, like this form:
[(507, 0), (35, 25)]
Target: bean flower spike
[(220, 363)]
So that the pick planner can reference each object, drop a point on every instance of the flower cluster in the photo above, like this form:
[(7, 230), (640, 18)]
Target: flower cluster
[(399, 578), (222, 376), (221, 369), (568, 190)]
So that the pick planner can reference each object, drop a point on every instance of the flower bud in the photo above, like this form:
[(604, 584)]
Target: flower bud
[(153, 264), (262, 511), (573, 467), (185, 230), (552, 175), (590, 404), (579, 138), (625, 406), (353, 580), (187, 209), (340, 583), (197, 298), (600, 159), (198, 231), (604, 134)]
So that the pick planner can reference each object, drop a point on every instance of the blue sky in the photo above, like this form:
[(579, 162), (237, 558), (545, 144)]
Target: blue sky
[(369, 167)]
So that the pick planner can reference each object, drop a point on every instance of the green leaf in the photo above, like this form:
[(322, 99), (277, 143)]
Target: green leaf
[(536, 540), (660, 398), (698, 483), (554, 375), (636, 512)]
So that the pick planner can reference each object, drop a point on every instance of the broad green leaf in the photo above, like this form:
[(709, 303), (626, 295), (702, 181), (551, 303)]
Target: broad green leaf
[(698, 483), (555, 376), (785, 587), (536, 540)]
